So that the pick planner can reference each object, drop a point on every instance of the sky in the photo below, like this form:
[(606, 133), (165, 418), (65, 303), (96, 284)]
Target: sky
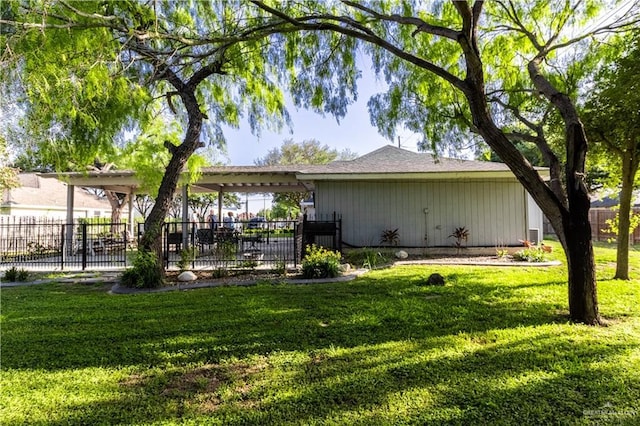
[(354, 132)]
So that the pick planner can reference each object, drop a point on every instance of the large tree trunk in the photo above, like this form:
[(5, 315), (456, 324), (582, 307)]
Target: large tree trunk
[(629, 170), (578, 247), (569, 216), (152, 239)]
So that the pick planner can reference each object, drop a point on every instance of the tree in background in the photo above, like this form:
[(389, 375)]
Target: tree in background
[(309, 151), (612, 117), (284, 211), (8, 175)]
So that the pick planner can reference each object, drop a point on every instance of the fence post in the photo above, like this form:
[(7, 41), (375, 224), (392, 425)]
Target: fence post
[(63, 248), (84, 246)]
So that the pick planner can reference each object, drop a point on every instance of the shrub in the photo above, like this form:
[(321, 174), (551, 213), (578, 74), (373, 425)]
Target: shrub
[(145, 271), (390, 237), (461, 234), (531, 254), (280, 267), (320, 263), (187, 256), (14, 275)]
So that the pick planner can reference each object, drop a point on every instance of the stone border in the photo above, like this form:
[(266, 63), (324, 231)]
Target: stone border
[(118, 289)]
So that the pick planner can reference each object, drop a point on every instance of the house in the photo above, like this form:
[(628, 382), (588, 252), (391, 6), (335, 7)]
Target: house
[(40, 197), (426, 199)]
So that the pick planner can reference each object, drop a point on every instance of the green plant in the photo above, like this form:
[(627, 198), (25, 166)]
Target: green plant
[(320, 262), (531, 254), (219, 273), (14, 274), (280, 267), (145, 271), (390, 237), (460, 234), (248, 264), (187, 256), (502, 253), (225, 250)]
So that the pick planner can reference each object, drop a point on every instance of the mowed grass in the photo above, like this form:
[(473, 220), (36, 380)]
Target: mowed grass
[(493, 346)]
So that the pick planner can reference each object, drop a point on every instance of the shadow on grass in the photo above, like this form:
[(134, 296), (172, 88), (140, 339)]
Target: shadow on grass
[(476, 351), (64, 327)]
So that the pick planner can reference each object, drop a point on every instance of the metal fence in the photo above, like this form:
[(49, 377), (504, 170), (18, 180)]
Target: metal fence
[(210, 246), (53, 244)]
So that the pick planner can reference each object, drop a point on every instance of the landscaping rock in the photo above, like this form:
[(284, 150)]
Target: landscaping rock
[(345, 267), (401, 254), (435, 279), (187, 276)]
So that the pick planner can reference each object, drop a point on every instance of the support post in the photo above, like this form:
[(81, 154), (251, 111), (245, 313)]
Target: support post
[(70, 225), (132, 229), (185, 216)]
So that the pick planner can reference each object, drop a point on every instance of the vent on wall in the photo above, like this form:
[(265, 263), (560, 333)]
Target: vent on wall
[(534, 235)]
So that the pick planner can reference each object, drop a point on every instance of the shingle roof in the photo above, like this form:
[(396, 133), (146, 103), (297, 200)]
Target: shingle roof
[(390, 159), (39, 191)]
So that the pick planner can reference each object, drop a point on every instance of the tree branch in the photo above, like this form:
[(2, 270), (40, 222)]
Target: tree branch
[(302, 24)]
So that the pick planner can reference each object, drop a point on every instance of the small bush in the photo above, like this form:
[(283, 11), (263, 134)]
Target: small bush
[(390, 237), (15, 275), (531, 254), (219, 273), (280, 267), (145, 271), (187, 256), (320, 263)]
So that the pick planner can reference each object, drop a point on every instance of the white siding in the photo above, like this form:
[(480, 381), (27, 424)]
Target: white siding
[(535, 216), (494, 212)]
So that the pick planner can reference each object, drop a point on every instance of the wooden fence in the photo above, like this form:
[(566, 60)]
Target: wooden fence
[(598, 218), (599, 227)]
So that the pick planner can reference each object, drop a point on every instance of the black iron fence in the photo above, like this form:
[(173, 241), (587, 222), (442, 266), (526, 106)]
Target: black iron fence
[(218, 245), (55, 245), (58, 245)]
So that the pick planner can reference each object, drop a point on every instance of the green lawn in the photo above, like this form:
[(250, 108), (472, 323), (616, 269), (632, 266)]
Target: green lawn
[(493, 346)]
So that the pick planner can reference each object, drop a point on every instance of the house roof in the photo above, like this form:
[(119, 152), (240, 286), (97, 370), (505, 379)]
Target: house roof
[(36, 191), (388, 162)]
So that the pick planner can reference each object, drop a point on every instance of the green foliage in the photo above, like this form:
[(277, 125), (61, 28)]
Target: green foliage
[(502, 253), (187, 256), (225, 250), (144, 273), (320, 262), (390, 237), (613, 224), (530, 254), (14, 274), (8, 175), (461, 234), (368, 258), (309, 151), (280, 267)]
